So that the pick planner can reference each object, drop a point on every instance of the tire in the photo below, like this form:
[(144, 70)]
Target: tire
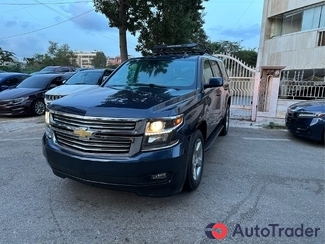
[(195, 161), (225, 122), (38, 107)]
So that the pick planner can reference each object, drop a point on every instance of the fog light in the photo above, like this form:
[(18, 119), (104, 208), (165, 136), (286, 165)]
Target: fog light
[(160, 176)]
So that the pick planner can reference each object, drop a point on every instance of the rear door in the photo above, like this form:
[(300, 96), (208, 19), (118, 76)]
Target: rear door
[(213, 110)]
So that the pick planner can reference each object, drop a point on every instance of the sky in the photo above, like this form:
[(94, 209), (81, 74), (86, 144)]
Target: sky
[(27, 26)]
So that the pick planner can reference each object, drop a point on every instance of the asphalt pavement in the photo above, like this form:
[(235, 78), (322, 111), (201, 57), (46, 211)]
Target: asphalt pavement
[(261, 185)]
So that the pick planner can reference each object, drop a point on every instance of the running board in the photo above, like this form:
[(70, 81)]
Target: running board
[(214, 136)]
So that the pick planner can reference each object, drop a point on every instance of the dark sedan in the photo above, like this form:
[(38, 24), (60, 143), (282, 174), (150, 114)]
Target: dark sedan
[(28, 96), (307, 119), (11, 79)]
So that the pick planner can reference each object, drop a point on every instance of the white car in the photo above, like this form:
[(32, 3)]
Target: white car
[(79, 82)]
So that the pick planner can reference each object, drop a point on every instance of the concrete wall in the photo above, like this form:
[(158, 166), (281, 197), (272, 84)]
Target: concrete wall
[(294, 51), (275, 7)]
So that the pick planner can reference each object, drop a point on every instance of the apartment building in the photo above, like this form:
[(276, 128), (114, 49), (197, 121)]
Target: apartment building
[(291, 56), (293, 34), (83, 59)]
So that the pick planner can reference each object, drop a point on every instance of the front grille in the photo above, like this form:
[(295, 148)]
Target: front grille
[(53, 97), (4, 102), (95, 135), (95, 123)]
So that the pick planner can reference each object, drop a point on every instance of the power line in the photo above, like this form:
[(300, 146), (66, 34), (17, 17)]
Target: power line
[(47, 27), (22, 4)]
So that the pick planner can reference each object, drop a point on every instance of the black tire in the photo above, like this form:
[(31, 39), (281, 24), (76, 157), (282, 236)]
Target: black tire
[(225, 122), (38, 107), (195, 162)]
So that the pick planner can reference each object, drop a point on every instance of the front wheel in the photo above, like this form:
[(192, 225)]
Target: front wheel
[(195, 161), (225, 122), (38, 107)]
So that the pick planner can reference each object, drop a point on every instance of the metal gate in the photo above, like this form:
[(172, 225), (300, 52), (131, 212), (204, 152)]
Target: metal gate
[(242, 78)]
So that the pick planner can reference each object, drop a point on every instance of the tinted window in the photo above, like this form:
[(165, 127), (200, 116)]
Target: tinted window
[(38, 81), (84, 77), (164, 72), (49, 69), (215, 68), (207, 72)]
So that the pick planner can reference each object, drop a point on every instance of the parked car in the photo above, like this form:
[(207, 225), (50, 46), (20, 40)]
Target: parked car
[(28, 96), (146, 128), (307, 119), (11, 79), (55, 69), (79, 82)]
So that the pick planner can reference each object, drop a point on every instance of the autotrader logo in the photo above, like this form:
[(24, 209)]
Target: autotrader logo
[(216, 231), (219, 231)]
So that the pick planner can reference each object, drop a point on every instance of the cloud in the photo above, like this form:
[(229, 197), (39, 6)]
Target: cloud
[(242, 33), (34, 44), (91, 21), (10, 23)]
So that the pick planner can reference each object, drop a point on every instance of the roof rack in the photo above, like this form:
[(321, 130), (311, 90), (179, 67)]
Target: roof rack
[(185, 49)]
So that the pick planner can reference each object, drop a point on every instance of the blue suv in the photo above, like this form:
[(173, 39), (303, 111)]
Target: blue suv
[(146, 128)]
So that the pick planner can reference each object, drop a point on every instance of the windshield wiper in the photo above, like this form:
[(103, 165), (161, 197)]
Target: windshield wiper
[(153, 85)]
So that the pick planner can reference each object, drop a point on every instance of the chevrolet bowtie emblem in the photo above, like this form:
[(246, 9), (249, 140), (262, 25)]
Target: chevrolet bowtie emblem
[(83, 132)]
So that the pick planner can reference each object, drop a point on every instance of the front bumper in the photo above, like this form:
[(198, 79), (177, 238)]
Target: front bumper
[(134, 174), (311, 128), (15, 109)]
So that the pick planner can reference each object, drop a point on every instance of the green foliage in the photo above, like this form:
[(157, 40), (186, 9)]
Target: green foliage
[(99, 61), (248, 56), (170, 22), (157, 21), (56, 55), (6, 56)]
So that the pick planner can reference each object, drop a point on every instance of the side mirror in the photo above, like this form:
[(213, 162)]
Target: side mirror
[(214, 82)]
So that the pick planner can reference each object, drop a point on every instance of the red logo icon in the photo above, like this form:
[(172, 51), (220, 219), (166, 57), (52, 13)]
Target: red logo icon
[(216, 231)]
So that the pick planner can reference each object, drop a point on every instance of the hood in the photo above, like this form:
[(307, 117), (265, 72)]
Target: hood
[(121, 102), (309, 106), (68, 89), (17, 93)]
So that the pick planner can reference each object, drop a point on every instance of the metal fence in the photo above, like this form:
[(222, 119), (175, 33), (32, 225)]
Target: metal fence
[(302, 84)]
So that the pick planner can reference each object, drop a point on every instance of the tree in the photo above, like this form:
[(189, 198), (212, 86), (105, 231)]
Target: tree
[(6, 57), (171, 22), (248, 56), (120, 15), (56, 55), (158, 21), (100, 60)]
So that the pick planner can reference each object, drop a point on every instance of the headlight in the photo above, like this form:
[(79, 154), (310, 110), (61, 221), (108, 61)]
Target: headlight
[(159, 133), (47, 117), (311, 115), (18, 100)]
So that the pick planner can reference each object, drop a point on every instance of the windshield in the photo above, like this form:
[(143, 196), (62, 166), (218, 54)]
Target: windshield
[(84, 77), (174, 73), (35, 82), (48, 69)]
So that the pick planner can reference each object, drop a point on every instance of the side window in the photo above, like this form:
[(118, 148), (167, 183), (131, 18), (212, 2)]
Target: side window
[(65, 69), (56, 82), (207, 72), (13, 81), (21, 78), (223, 71), (216, 69)]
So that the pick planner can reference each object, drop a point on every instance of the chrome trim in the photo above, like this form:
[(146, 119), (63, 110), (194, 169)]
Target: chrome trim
[(109, 137)]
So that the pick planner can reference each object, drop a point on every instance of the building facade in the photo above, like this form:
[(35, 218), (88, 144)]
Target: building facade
[(84, 59), (291, 56)]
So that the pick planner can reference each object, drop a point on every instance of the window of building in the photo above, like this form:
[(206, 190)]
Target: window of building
[(311, 18), (298, 20), (291, 23), (321, 38)]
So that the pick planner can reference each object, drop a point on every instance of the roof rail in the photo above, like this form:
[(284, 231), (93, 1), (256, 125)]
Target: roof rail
[(185, 49)]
